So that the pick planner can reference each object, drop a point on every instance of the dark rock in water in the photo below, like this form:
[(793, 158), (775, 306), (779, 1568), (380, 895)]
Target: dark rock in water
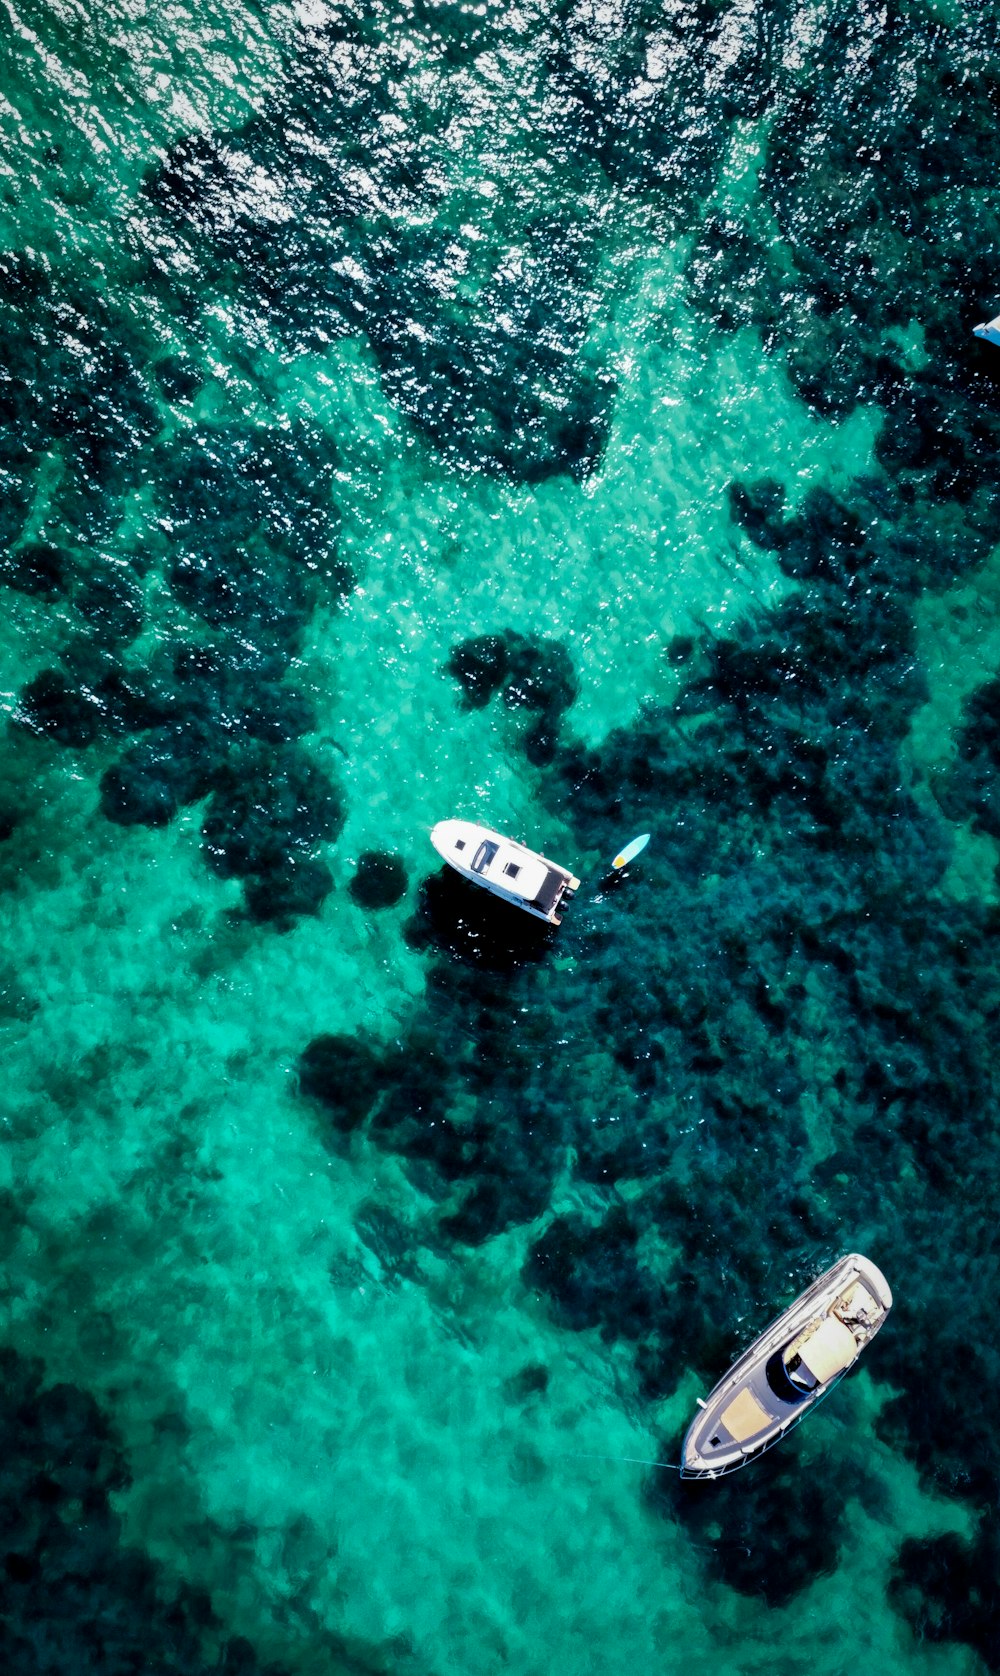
[(498, 1201), (592, 1273), (729, 277), (13, 1211), (248, 593), (299, 885), (972, 787), (167, 770), (379, 881), (759, 1526), (111, 602), (36, 567), (269, 809), (479, 666), (388, 1236), (178, 378), (946, 1588), (531, 1381), (50, 705), (16, 474), (240, 694), (250, 512), (919, 1102), (195, 179), (230, 485), (478, 395), (541, 742), (276, 713), (759, 509), (344, 1075), (681, 648), (540, 675), (532, 672), (256, 526), (72, 392), (417, 1085), (132, 702), (75, 1597), (136, 792), (500, 376)]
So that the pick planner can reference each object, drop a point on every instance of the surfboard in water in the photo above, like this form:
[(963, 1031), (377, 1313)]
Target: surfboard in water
[(630, 851)]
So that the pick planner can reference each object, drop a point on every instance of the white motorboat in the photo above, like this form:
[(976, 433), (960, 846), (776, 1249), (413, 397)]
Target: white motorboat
[(788, 1369), (990, 330), (507, 869)]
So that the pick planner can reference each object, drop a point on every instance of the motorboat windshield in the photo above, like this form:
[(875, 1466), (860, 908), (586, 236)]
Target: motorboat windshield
[(486, 853)]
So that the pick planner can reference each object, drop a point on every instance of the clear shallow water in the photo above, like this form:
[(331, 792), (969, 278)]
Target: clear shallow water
[(364, 1255)]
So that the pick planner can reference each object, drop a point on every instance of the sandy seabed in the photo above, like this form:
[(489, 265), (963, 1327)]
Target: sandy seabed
[(569, 420)]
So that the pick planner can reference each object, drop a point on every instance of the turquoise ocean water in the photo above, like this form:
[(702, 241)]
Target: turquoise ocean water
[(566, 417)]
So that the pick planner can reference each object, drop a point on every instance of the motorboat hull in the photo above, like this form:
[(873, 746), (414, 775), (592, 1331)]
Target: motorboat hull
[(757, 1402), (509, 870)]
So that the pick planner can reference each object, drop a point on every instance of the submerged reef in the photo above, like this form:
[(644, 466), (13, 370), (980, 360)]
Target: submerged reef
[(948, 1589), (74, 411), (760, 1526), (343, 207), (73, 1594), (379, 880), (785, 946), (779, 1026), (245, 543), (531, 673), (865, 274), (490, 361), (972, 789)]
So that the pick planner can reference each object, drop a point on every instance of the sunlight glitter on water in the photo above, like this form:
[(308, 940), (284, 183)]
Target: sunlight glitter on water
[(517, 414)]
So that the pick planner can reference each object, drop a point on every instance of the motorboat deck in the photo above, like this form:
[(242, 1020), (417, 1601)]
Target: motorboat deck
[(506, 868), (788, 1369)]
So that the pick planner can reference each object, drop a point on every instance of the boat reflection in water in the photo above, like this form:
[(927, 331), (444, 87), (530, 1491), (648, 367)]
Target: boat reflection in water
[(786, 1371)]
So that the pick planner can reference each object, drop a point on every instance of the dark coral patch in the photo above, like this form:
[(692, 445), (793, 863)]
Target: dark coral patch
[(35, 567), (73, 396), (251, 525), (168, 769), (592, 1273), (480, 666), (110, 601), (344, 1075), (760, 1527), (52, 705), (252, 514), (531, 673), (269, 809), (497, 374), (730, 277), (972, 789), (179, 378), (947, 1588), (379, 881), (75, 1596), (298, 885)]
